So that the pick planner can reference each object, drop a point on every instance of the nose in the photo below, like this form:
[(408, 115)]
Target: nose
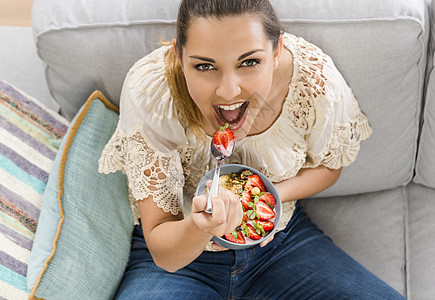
[(228, 87)]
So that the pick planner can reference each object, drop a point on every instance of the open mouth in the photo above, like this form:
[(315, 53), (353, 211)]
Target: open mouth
[(232, 114)]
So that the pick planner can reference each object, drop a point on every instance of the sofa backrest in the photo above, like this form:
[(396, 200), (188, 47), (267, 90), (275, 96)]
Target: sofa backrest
[(425, 168), (379, 46)]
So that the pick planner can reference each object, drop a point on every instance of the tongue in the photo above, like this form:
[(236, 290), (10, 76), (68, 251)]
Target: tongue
[(230, 116)]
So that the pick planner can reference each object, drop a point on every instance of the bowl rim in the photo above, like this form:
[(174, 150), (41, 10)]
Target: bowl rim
[(272, 189)]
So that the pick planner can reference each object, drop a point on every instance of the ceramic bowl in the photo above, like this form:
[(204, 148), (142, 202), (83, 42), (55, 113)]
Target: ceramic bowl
[(235, 168)]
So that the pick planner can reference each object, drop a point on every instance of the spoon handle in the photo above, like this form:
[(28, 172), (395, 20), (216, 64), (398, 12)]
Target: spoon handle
[(214, 187)]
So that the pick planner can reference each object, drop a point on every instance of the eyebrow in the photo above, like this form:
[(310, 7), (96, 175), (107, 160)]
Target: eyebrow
[(250, 53), (240, 57)]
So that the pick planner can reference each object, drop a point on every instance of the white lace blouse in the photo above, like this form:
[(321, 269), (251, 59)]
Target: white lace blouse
[(320, 124)]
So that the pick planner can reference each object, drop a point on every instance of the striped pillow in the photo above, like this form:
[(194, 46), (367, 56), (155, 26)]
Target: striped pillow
[(30, 135)]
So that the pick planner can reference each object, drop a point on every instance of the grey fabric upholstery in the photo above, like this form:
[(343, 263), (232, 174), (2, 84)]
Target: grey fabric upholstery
[(370, 227), (20, 65), (381, 52), (425, 168), (375, 212), (420, 259)]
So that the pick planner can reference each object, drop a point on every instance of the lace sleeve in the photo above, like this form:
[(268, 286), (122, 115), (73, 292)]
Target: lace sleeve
[(144, 145), (334, 123), (345, 140), (149, 171)]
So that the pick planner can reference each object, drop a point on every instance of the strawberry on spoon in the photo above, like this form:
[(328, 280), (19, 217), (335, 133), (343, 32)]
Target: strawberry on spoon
[(223, 143), (222, 146)]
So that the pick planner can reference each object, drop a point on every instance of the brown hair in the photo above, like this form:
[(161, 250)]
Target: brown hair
[(190, 9)]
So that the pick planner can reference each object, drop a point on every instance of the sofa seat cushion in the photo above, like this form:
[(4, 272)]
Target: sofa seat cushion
[(421, 242), (370, 228)]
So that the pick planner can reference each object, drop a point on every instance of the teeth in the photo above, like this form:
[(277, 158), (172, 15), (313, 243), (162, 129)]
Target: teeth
[(231, 107)]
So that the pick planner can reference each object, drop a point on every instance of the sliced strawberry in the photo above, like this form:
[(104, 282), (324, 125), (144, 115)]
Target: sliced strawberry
[(239, 239), (245, 217), (251, 232), (264, 211), (268, 198), (255, 181), (267, 225), (224, 141), (246, 198)]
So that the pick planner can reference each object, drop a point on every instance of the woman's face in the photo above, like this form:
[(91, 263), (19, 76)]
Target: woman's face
[(228, 65)]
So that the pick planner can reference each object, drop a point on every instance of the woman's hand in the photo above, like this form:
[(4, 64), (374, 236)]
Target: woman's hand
[(227, 212), (227, 215), (262, 244)]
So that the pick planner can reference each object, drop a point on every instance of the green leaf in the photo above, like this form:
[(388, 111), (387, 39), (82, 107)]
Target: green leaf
[(250, 204), (246, 173), (234, 234), (224, 127), (259, 228), (253, 214)]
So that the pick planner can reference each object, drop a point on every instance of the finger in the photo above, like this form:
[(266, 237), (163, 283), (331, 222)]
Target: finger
[(198, 203), (235, 212), (208, 183), (223, 193), (218, 247), (219, 210), (228, 197), (264, 243)]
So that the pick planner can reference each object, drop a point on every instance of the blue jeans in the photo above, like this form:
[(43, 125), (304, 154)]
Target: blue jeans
[(300, 263)]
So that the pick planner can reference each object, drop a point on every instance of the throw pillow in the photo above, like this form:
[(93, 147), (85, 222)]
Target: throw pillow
[(82, 242), (30, 136)]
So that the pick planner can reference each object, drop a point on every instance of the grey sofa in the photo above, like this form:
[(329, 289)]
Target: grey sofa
[(381, 211)]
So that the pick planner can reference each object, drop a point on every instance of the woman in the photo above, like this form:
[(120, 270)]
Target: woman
[(294, 119)]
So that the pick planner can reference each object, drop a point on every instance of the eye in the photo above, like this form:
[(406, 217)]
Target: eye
[(250, 62), (204, 67)]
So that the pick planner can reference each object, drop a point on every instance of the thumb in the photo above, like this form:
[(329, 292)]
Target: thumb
[(198, 203), (208, 183)]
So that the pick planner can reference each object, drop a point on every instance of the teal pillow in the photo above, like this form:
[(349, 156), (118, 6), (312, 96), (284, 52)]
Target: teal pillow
[(82, 242)]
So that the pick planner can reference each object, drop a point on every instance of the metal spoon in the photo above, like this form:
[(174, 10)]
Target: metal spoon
[(219, 156)]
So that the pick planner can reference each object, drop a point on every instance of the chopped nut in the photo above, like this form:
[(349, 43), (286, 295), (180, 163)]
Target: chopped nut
[(255, 191)]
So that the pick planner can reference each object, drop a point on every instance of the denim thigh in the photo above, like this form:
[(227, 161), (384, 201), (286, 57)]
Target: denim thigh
[(303, 263), (300, 263), (205, 278)]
